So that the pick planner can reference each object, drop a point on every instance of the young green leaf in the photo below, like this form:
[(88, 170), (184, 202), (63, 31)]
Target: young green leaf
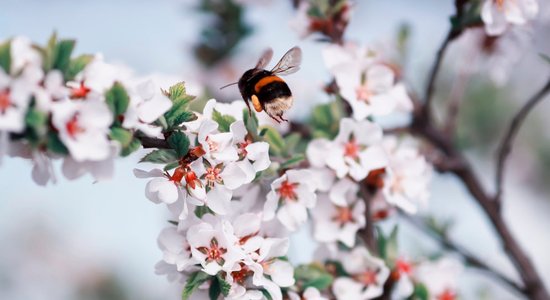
[(179, 142), (179, 112), (225, 287), (160, 156), (200, 211), (54, 144), (117, 99), (292, 141), (214, 291), (5, 56), (420, 292), (251, 123), (36, 119), (275, 140), (313, 275), (193, 282), (131, 148), (76, 65), (224, 121), (296, 159), (62, 54), (121, 135)]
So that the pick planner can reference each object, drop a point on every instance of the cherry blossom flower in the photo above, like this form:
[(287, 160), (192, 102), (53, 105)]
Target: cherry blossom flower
[(253, 156), (356, 150), (290, 197), (176, 249), (147, 104), (211, 248), (367, 276), (370, 87), (403, 275), (52, 89), (341, 221), (440, 277), (100, 170), (408, 177), (310, 293), (176, 190), (23, 55), (497, 14), (217, 145)]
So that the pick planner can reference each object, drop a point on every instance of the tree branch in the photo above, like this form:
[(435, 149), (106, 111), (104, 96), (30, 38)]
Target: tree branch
[(149, 142), (472, 260), (368, 231), (506, 144)]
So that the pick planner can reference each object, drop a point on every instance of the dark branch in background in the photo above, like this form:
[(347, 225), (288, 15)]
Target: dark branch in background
[(148, 142), (226, 29), (469, 258), (508, 140), (368, 231)]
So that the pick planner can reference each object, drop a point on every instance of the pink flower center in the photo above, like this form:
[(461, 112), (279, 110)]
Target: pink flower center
[(287, 190), (363, 93), (499, 3), (73, 128), (80, 92), (366, 278), (403, 266), (214, 252), (447, 294), (343, 215), (212, 145), (242, 147), (213, 176), (5, 102), (351, 149)]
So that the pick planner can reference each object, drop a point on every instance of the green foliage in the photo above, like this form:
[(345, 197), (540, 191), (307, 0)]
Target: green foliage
[(160, 156), (35, 119), (223, 33), (54, 144), (295, 160), (218, 287), (200, 211), (179, 142), (276, 142), (251, 124), (193, 282), (5, 56), (179, 111), (57, 54), (545, 57), (117, 99), (313, 275), (325, 119), (76, 65), (126, 139), (388, 246), (224, 121), (420, 292), (133, 146)]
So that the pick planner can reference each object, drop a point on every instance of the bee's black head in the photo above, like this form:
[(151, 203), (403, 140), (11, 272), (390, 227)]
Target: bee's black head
[(245, 79)]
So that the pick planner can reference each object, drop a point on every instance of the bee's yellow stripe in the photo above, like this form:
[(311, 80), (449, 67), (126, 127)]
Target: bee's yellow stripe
[(265, 81)]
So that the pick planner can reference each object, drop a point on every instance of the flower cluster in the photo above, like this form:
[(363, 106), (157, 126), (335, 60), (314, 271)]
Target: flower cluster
[(81, 109)]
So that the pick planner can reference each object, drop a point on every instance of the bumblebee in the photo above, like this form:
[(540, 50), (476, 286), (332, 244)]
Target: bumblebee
[(265, 89)]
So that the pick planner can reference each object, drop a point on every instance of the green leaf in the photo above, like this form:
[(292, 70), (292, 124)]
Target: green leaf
[(54, 144), (224, 121), (292, 141), (117, 99), (275, 140), (171, 166), (133, 146), (420, 292), (179, 142), (193, 282), (313, 275), (200, 211), (76, 65), (160, 156), (225, 287), (296, 159), (214, 291), (36, 119), (266, 294), (545, 57), (179, 112), (5, 56), (62, 54), (121, 135), (388, 246), (251, 123), (48, 53), (325, 119)]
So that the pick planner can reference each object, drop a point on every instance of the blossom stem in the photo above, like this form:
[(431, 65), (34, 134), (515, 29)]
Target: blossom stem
[(506, 144)]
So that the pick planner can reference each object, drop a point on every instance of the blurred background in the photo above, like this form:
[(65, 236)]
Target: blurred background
[(86, 240)]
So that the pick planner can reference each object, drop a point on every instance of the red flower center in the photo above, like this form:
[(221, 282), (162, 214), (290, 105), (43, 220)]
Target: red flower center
[(214, 252), (287, 190), (73, 128), (80, 92), (177, 176), (241, 275), (366, 278), (447, 294), (242, 148), (212, 145), (351, 149), (403, 266), (363, 93), (191, 179), (343, 215), (5, 102), (375, 179)]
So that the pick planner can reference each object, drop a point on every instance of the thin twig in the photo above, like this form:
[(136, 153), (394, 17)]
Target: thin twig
[(149, 142), (368, 231), (470, 259), (507, 141)]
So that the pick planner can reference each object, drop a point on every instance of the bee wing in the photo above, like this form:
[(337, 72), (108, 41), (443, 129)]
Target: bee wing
[(289, 63), (265, 58)]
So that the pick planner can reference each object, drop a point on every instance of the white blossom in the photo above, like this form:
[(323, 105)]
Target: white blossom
[(497, 14), (440, 277)]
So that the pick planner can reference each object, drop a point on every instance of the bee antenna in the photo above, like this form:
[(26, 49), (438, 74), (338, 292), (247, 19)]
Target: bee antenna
[(223, 87)]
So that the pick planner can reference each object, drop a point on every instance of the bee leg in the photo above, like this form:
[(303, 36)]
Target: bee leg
[(256, 103), (248, 106), (273, 118), (282, 119)]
